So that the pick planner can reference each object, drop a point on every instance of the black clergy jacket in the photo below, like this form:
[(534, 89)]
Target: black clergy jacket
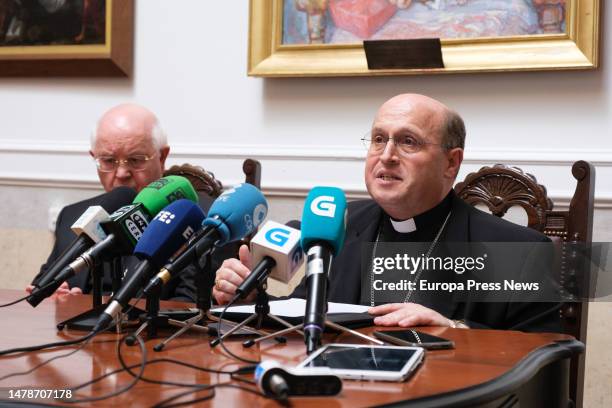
[(466, 224)]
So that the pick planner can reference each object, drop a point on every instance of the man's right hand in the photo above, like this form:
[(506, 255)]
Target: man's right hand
[(231, 274), (64, 289)]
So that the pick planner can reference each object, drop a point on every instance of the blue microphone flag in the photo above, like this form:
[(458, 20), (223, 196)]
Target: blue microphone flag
[(323, 218), (237, 213), (169, 230)]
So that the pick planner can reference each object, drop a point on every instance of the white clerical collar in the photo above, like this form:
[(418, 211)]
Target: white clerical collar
[(405, 226)]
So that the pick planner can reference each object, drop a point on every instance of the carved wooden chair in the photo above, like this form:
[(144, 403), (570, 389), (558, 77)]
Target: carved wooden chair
[(208, 187), (501, 187), (205, 183)]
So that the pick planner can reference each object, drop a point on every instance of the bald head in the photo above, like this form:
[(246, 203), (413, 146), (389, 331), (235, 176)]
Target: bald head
[(133, 132), (131, 118), (442, 120), (413, 160)]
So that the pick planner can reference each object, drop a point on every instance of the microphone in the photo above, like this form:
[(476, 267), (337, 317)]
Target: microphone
[(281, 382), (323, 230), (234, 215), (88, 230), (276, 253), (168, 231), (123, 230)]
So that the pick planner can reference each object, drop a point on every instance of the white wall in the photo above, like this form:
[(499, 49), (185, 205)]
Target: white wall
[(190, 68)]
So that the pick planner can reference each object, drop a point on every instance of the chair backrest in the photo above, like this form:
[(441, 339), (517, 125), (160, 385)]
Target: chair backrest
[(205, 183), (209, 188), (501, 187)]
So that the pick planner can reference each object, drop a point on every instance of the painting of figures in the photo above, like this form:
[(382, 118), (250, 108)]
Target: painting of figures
[(352, 21), (52, 22)]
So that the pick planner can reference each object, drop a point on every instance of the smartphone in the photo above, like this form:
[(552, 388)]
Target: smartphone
[(365, 362), (415, 339)]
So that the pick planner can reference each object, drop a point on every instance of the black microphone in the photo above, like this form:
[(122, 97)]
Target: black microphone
[(276, 252), (281, 382), (170, 229), (323, 230), (87, 226), (123, 229)]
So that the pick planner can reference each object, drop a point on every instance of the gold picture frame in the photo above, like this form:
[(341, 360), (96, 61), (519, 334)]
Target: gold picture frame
[(111, 54), (575, 49)]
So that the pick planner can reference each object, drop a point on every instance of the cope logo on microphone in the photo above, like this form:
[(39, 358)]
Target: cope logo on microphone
[(136, 225), (277, 236), (123, 210), (323, 206)]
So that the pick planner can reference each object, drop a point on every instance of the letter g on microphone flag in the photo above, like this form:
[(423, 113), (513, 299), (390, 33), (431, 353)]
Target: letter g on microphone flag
[(324, 218)]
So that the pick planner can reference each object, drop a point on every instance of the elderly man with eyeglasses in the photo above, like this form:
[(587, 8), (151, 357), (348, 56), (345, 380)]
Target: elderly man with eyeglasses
[(130, 149), (414, 151)]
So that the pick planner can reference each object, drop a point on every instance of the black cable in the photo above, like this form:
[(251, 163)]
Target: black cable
[(181, 394), (14, 302), (128, 387), (6, 403), (60, 343), (36, 367), (235, 376), (48, 345), (162, 404), (234, 356)]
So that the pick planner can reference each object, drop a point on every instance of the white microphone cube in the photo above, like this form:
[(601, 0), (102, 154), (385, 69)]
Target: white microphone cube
[(281, 243), (89, 223)]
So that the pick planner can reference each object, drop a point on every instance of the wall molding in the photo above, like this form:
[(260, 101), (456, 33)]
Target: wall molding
[(534, 157), (280, 162), (560, 199)]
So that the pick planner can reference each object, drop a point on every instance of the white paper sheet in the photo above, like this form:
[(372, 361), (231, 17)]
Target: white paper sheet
[(295, 308)]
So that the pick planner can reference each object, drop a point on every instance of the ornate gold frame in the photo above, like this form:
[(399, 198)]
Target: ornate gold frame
[(577, 49), (113, 58)]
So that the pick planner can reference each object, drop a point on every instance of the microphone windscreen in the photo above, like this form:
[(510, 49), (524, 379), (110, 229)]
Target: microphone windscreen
[(324, 218), (168, 231), (237, 212), (89, 222), (281, 243), (162, 192), (116, 198)]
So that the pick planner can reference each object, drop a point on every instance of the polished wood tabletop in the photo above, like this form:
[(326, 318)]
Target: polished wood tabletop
[(480, 356)]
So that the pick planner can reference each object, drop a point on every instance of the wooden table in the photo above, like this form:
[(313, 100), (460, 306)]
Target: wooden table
[(486, 367)]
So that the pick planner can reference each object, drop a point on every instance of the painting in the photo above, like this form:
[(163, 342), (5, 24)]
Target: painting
[(66, 37), (325, 37), (352, 21)]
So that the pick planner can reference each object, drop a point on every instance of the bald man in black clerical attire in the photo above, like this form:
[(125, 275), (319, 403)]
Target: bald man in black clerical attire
[(415, 149)]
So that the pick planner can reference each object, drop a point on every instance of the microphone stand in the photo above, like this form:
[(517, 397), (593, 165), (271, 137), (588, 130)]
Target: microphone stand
[(204, 284), (87, 320), (152, 320), (262, 310), (297, 328)]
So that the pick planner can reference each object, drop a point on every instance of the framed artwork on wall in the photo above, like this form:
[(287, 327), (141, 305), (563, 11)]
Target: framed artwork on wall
[(325, 37), (66, 37)]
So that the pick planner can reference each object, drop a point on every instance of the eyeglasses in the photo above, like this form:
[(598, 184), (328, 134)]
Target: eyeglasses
[(107, 164), (376, 143)]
